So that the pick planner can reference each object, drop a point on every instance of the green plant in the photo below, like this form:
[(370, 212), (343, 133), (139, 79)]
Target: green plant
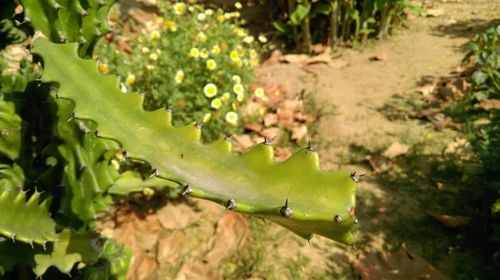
[(343, 20), (196, 60), (62, 158)]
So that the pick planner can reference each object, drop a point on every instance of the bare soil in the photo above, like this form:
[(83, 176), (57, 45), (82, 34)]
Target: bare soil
[(199, 240)]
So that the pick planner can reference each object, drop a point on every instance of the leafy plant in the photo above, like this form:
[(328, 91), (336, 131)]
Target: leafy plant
[(197, 60)]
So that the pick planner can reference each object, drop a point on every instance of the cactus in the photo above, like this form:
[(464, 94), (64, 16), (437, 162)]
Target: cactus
[(36, 227), (296, 194), (70, 20)]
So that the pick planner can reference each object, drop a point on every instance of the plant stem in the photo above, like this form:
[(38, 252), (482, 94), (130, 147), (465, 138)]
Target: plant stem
[(291, 8), (306, 31), (334, 23)]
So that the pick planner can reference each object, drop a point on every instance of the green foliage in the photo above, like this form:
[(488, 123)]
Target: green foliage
[(344, 20), (82, 21), (173, 60)]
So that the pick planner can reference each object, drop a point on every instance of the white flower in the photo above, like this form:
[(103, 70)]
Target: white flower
[(240, 96), (201, 16), (225, 97), (238, 88), (210, 90), (194, 52), (153, 56), (155, 35), (209, 12), (179, 77), (236, 79), (179, 8), (204, 54), (145, 49), (259, 92), (123, 87), (232, 117), (262, 39), (238, 5), (216, 103), (248, 39), (201, 37)]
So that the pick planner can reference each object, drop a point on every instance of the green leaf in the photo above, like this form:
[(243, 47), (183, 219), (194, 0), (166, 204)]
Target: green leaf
[(281, 27), (479, 77), (300, 12), (323, 8)]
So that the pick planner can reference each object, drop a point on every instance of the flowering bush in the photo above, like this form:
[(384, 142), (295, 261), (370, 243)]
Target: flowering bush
[(197, 60)]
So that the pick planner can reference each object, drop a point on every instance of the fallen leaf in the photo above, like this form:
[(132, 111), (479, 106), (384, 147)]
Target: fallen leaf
[(292, 105), (325, 58), (426, 89), (282, 154), (299, 133), (451, 220), (398, 265), (319, 48), (488, 104), (436, 12), (270, 119), (396, 149), (378, 163), (231, 232), (254, 127), (142, 267), (140, 234), (379, 57), (271, 133), (285, 117), (243, 142), (301, 117)]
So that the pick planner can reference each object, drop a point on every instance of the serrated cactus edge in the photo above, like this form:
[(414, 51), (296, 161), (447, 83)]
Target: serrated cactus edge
[(295, 193)]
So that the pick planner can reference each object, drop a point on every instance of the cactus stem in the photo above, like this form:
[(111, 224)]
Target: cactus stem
[(285, 210), (187, 190), (231, 204), (155, 173), (337, 218), (13, 237), (355, 177), (312, 147)]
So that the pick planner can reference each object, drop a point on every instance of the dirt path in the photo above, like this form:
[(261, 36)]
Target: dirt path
[(199, 240)]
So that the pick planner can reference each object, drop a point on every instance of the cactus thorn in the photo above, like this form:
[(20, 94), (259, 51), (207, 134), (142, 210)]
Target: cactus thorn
[(62, 39), (97, 134), (269, 141), (337, 218), (125, 154), (31, 243), (98, 33), (187, 190), (73, 116), (169, 109), (84, 13), (198, 125), (231, 204), (355, 177), (13, 237), (228, 137), (102, 2), (69, 274), (285, 210), (26, 20), (356, 221), (312, 147), (57, 6), (142, 92), (155, 173), (44, 245), (83, 41)]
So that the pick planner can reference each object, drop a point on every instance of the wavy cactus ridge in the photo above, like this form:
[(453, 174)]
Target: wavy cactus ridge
[(37, 226), (258, 184)]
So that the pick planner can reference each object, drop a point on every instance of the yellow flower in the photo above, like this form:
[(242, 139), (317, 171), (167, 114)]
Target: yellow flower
[(216, 103), (211, 64), (207, 117), (171, 26), (237, 62), (148, 192), (145, 49), (153, 56), (225, 97), (204, 53), (103, 68), (232, 117), (130, 79), (210, 90), (201, 37), (236, 79), (238, 5), (216, 50), (262, 39), (201, 17), (159, 20), (194, 52), (234, 55), (220, 18), (179, 77), (259, 92), (179, 8), (235, 14), (155, 35), (227, 15)]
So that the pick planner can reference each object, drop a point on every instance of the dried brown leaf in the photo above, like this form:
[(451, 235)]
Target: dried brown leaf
[(451, 220), (396, 149)]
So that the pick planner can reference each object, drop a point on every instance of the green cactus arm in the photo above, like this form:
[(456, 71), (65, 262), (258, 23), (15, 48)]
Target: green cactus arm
[(36, 227), (10, 129), (71, 248), (319, 202), (82, 21)]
